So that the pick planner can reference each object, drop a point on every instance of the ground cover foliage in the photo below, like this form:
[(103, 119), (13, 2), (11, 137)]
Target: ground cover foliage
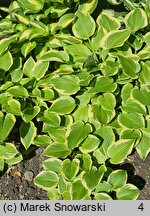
[(75, 79)]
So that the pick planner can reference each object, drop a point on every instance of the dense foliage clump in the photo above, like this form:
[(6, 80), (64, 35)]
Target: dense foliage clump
[(75, 79)]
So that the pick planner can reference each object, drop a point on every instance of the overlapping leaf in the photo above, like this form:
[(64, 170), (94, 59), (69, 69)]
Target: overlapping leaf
[(119, 150), (7, 123), (115, 39), (77, 133), (136, 19), (63, 105), (66, 85), (84, 27)]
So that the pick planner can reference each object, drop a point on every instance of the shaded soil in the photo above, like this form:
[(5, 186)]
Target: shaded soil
[(141, 176), (18, 183)]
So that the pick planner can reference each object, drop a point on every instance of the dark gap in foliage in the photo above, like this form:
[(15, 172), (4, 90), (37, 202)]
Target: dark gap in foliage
[(15, 134), (4, 3), (4, 170), (138, 181), (29, 153), (102, 5)]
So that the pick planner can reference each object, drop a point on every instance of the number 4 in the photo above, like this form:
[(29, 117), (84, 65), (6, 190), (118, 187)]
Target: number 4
[(141, 207)]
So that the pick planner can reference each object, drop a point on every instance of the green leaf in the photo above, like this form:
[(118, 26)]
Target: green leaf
[(55, 55), (47, 94), (66, 85), (108, 137), (52, 164), (128, 192), (7, 123), (143, 147), (79, 192), (5, 86), (117, 179), (115, 39), (6, 10), (132, 105), (62, 185), (143, 54), (86, 161), (67, 195), (89, 144), (25, 33), (108, 22), (130, 67), (79, 52), (103, 187), (1, 164), (102, 115), (18, 91), (81, 113), (7, 150), (147, 38), (63, 105), (39, 25), (144, 75), (109, 68), (93, 177), (57, 134), (53, 194), (107, 101), (102, 196), (27, 48), (13, 106), (16, 75), (27, 133), (84, 98), (33, 6), (114, 2), (4, 98), (42, 140), (6, 61), (84, 27), (34, 69), (46, 180), (35, 33), (65, 20), (126, 91), (90, 62), (29, 113), (64, 69), (68, 39), (21, 18), (50, 119), (147, 7), (58, 10), (88, 7), (57, 150), (70, 168), (103, 84), (130, 134), (119, 150), (14, 160), (142, 95), (136, 19), (131, 120), (77, 133), (100, 156), (5, 42), (97, 38)]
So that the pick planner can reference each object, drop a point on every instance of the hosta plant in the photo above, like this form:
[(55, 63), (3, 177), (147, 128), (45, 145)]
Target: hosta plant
[(75, 79)]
